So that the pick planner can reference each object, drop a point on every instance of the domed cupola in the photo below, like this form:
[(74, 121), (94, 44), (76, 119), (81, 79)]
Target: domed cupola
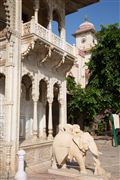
[(85, 35), (84, 27)]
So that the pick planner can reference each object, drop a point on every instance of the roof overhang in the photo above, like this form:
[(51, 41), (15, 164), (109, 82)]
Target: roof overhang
[(74, 5)]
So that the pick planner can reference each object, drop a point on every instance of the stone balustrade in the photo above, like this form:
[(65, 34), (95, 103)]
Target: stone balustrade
[(32, 27), (56, 40)]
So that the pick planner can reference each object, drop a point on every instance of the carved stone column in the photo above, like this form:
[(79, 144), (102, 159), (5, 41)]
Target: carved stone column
[(44, 121), (50, 124), (62, 30), (8, 159), (35, 98), (9, 90), (35, 120), (50, 25), (61, 102), (36, 9)]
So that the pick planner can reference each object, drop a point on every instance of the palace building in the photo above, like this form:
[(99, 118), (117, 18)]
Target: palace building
[(34, 63), (85, 40)]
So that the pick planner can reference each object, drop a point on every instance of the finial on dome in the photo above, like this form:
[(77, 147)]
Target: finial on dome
[(86, 18)]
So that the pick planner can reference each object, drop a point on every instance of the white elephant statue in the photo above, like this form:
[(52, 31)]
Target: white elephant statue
[(72, 143)]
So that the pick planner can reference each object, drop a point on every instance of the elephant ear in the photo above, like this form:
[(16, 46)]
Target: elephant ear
[(61, 145), (61, 153), (91, 144)]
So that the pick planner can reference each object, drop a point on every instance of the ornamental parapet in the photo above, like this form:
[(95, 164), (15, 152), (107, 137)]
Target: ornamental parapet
[(33, 28)]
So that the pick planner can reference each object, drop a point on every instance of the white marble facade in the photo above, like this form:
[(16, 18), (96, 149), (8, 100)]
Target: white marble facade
[(33, 66), (2, 109)]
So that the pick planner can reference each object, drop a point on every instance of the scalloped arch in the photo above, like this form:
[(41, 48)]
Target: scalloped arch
[(29, 75)]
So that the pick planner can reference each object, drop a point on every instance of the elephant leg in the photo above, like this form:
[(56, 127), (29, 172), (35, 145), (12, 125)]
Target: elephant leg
[(54, 163), (82, 167), (64, 163), (64, 166), (84, 157), (97, 166), (98, 169), (80, 160)]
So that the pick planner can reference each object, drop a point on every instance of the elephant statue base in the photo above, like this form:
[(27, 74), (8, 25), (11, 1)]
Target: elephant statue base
[(72, 144)]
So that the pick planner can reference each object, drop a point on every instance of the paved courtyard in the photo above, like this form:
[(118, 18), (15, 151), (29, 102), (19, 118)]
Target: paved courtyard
[(110, 160)]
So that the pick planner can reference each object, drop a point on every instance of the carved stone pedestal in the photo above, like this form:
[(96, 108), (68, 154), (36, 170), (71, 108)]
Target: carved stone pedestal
[(74, 174)]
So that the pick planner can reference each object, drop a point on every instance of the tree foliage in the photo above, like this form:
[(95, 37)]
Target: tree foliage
[(104, 68), (103, 89)]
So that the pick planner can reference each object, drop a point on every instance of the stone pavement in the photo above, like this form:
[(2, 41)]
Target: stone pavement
[(110, 160)]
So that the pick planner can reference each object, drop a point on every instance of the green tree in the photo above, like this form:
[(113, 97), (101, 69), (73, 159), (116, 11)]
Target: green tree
[(104, 68), (81, 102)]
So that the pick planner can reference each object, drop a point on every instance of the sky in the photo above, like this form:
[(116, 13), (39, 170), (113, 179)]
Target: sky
[(104, 12)]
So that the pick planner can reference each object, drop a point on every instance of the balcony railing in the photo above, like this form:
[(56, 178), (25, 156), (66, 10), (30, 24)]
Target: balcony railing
[(34, 28)]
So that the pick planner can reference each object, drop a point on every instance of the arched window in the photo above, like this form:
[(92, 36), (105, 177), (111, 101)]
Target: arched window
[(83, 40), (27, 10), (2, 87), (56, 24), (2, 107), (43, 13), (56, 91), (27, 84), (42, 91), (26, 109), (55, 109)]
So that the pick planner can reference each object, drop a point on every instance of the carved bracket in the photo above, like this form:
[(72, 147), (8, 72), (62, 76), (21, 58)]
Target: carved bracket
[(47, 55), (62, 61), (29, 48)]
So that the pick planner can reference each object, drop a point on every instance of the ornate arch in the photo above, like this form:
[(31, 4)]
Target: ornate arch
[(43, 14), (43, 90), (27, 81), (2, 74), (28, 74), (45, 79), (57, 17), (57, 13), (56, 90)]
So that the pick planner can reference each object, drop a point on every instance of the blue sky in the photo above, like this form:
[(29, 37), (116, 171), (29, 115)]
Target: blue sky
[(104, 12)]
